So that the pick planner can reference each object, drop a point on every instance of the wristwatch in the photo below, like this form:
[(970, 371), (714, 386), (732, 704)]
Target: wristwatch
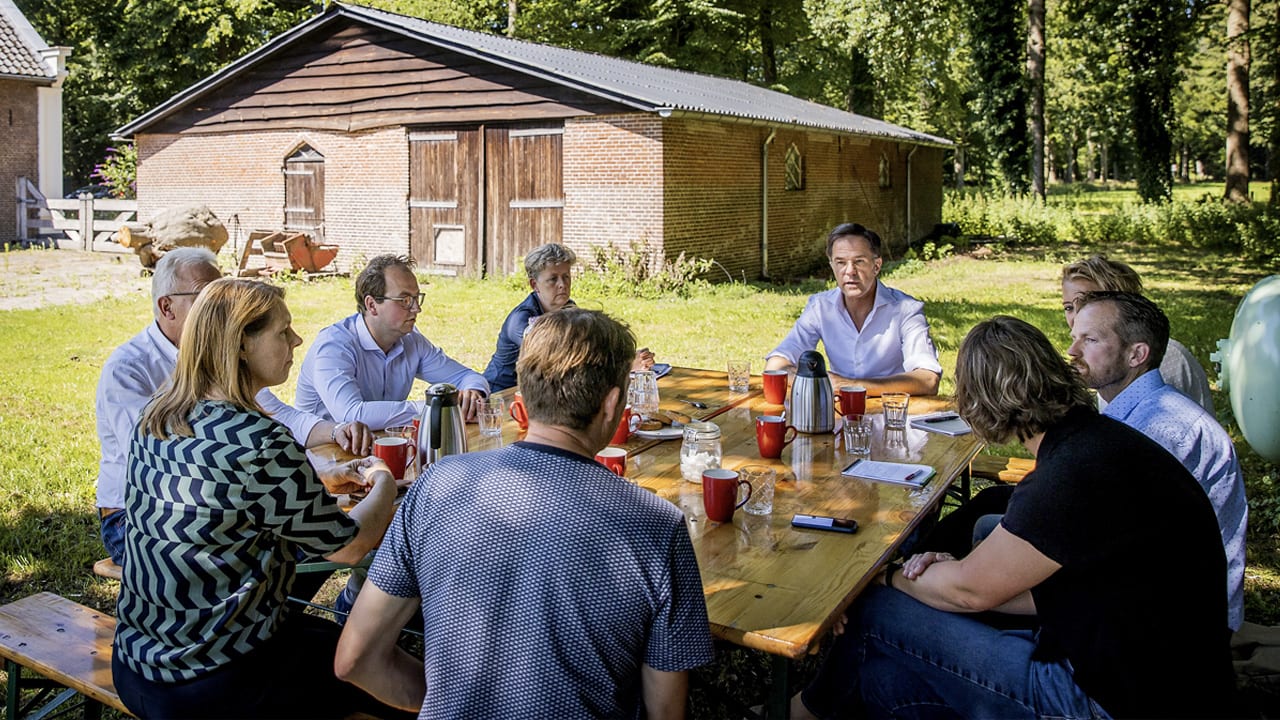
[(889, 571)]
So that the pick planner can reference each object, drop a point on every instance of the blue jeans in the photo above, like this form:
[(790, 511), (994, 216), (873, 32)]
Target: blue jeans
[(112, 531), (901, 658)]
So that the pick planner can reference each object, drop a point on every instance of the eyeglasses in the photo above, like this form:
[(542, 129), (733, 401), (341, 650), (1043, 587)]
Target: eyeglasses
[(197, 292), (406, 301)]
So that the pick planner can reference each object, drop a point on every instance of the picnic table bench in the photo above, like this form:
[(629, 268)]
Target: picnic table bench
[(68, 648)]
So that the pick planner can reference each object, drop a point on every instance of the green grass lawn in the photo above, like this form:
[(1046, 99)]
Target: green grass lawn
[(50, 360)]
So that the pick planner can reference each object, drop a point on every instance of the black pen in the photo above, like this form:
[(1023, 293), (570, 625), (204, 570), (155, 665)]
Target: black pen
[(940, 418)]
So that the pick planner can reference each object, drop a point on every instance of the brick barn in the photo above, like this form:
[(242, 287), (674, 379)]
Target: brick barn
[(385, 133), (31, 74)]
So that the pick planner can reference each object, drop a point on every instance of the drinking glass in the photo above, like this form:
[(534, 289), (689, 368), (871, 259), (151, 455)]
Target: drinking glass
[(895, 409), (762, 479), (490, 416), (739, 376), (857, 435), (644, 392)]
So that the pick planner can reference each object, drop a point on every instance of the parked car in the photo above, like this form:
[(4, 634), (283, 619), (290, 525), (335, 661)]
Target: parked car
[(97, 191)]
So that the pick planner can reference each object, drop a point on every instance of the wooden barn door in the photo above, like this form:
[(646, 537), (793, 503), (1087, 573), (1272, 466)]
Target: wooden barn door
[(445, 202), (524, 192), (304, 192)]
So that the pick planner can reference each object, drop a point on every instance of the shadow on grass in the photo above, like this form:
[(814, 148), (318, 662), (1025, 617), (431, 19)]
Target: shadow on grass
[(54, 552)]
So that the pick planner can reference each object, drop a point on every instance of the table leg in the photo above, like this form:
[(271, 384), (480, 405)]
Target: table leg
[(779, 702)]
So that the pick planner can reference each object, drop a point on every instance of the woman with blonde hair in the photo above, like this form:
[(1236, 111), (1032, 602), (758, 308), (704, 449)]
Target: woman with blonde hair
[(220, 501)]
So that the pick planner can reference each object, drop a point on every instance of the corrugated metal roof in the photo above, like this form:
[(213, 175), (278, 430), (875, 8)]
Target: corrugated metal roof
[(645, 87), (20, 46)]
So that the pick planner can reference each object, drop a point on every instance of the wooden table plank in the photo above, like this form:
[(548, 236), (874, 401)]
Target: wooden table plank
[(776, 588)]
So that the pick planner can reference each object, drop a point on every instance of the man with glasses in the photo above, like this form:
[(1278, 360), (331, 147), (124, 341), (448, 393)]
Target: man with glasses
[(138, 368), (874, 336), (362, 368)]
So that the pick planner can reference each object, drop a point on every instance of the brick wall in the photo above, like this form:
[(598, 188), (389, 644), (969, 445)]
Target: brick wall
[(613, 173), (239, 176), (19, 149), (713, 193)]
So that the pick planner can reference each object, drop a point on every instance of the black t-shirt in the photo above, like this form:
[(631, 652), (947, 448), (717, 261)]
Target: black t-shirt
[(1137, 607)]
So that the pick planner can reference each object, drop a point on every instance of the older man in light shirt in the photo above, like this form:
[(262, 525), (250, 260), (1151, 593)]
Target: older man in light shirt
[(363, 367), (137, 369), (874, 336)]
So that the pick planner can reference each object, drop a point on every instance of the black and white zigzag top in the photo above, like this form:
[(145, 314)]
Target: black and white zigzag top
[(214, 522)]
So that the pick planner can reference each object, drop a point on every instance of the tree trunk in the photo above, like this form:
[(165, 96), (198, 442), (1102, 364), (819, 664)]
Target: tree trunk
[(1238, 60), (768, 49), (1273, 142), (958, 167), (512, 12), (1035, 77)]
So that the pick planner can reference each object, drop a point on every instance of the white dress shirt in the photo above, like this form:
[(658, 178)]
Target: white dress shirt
[(347, 377), (131, 375), (894, 338)]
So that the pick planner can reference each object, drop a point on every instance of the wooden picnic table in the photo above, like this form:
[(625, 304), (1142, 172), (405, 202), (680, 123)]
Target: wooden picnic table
[(769, 586)]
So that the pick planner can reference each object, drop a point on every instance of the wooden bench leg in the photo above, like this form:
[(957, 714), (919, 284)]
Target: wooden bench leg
[(16, 683)]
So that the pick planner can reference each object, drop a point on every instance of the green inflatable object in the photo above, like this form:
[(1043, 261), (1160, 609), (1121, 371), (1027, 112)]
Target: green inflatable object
[(1250, 367)]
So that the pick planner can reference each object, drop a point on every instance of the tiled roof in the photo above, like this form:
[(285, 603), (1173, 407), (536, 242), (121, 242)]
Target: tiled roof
[(644, 87), (20, 46)]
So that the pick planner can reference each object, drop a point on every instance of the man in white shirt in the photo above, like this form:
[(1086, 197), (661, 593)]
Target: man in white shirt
[(362, 368), (874, 336), (137, 369)]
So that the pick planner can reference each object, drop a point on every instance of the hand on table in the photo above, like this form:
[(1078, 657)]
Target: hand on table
[(353, 476), (469, 404), (354, 437)]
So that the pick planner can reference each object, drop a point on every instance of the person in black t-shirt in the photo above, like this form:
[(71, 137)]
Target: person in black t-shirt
[(1110, 542)]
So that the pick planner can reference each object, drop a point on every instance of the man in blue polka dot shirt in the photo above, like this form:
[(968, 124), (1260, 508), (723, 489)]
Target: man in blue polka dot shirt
[(548, 586)]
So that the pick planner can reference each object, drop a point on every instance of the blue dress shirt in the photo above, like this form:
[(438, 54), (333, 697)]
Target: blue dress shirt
[(1192, 435), (347, 377)]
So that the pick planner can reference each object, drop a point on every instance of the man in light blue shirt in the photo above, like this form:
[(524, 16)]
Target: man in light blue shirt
[(874, 336), (1117, 343), (362, 368)]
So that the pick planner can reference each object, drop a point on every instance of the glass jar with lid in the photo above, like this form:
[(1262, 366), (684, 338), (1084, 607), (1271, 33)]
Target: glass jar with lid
[(700, 450)]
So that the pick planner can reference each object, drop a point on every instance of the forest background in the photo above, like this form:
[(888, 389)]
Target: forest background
[(1031, 91)]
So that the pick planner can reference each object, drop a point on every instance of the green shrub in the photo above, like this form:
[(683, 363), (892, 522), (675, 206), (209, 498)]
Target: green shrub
[(640, 272), (119, 171)]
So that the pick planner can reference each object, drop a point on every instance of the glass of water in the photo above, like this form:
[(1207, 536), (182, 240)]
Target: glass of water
[(895, 409), (857, 435), (644, 392), (490, 416)]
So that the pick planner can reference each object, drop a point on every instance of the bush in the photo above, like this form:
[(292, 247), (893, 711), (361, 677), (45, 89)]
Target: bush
[(119, 171), (639, 272), (1251, 230)]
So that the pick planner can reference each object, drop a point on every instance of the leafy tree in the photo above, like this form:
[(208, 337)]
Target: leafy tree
[(997, 39)]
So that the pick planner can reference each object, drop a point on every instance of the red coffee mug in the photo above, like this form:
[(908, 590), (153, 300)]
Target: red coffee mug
[(396, 452), (852, 400), (613, 458), (771, 435), (519, 412), (623, 433), (720, 493), (775, 386)]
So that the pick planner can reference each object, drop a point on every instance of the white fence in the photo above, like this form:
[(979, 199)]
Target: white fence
[(85, 223)]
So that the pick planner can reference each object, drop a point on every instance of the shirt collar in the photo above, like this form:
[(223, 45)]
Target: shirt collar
[(368, 343), (166, 348), (1129, 398)]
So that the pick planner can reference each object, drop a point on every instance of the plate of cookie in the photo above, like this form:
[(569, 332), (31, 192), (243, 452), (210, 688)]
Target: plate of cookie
[(663, 425)]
